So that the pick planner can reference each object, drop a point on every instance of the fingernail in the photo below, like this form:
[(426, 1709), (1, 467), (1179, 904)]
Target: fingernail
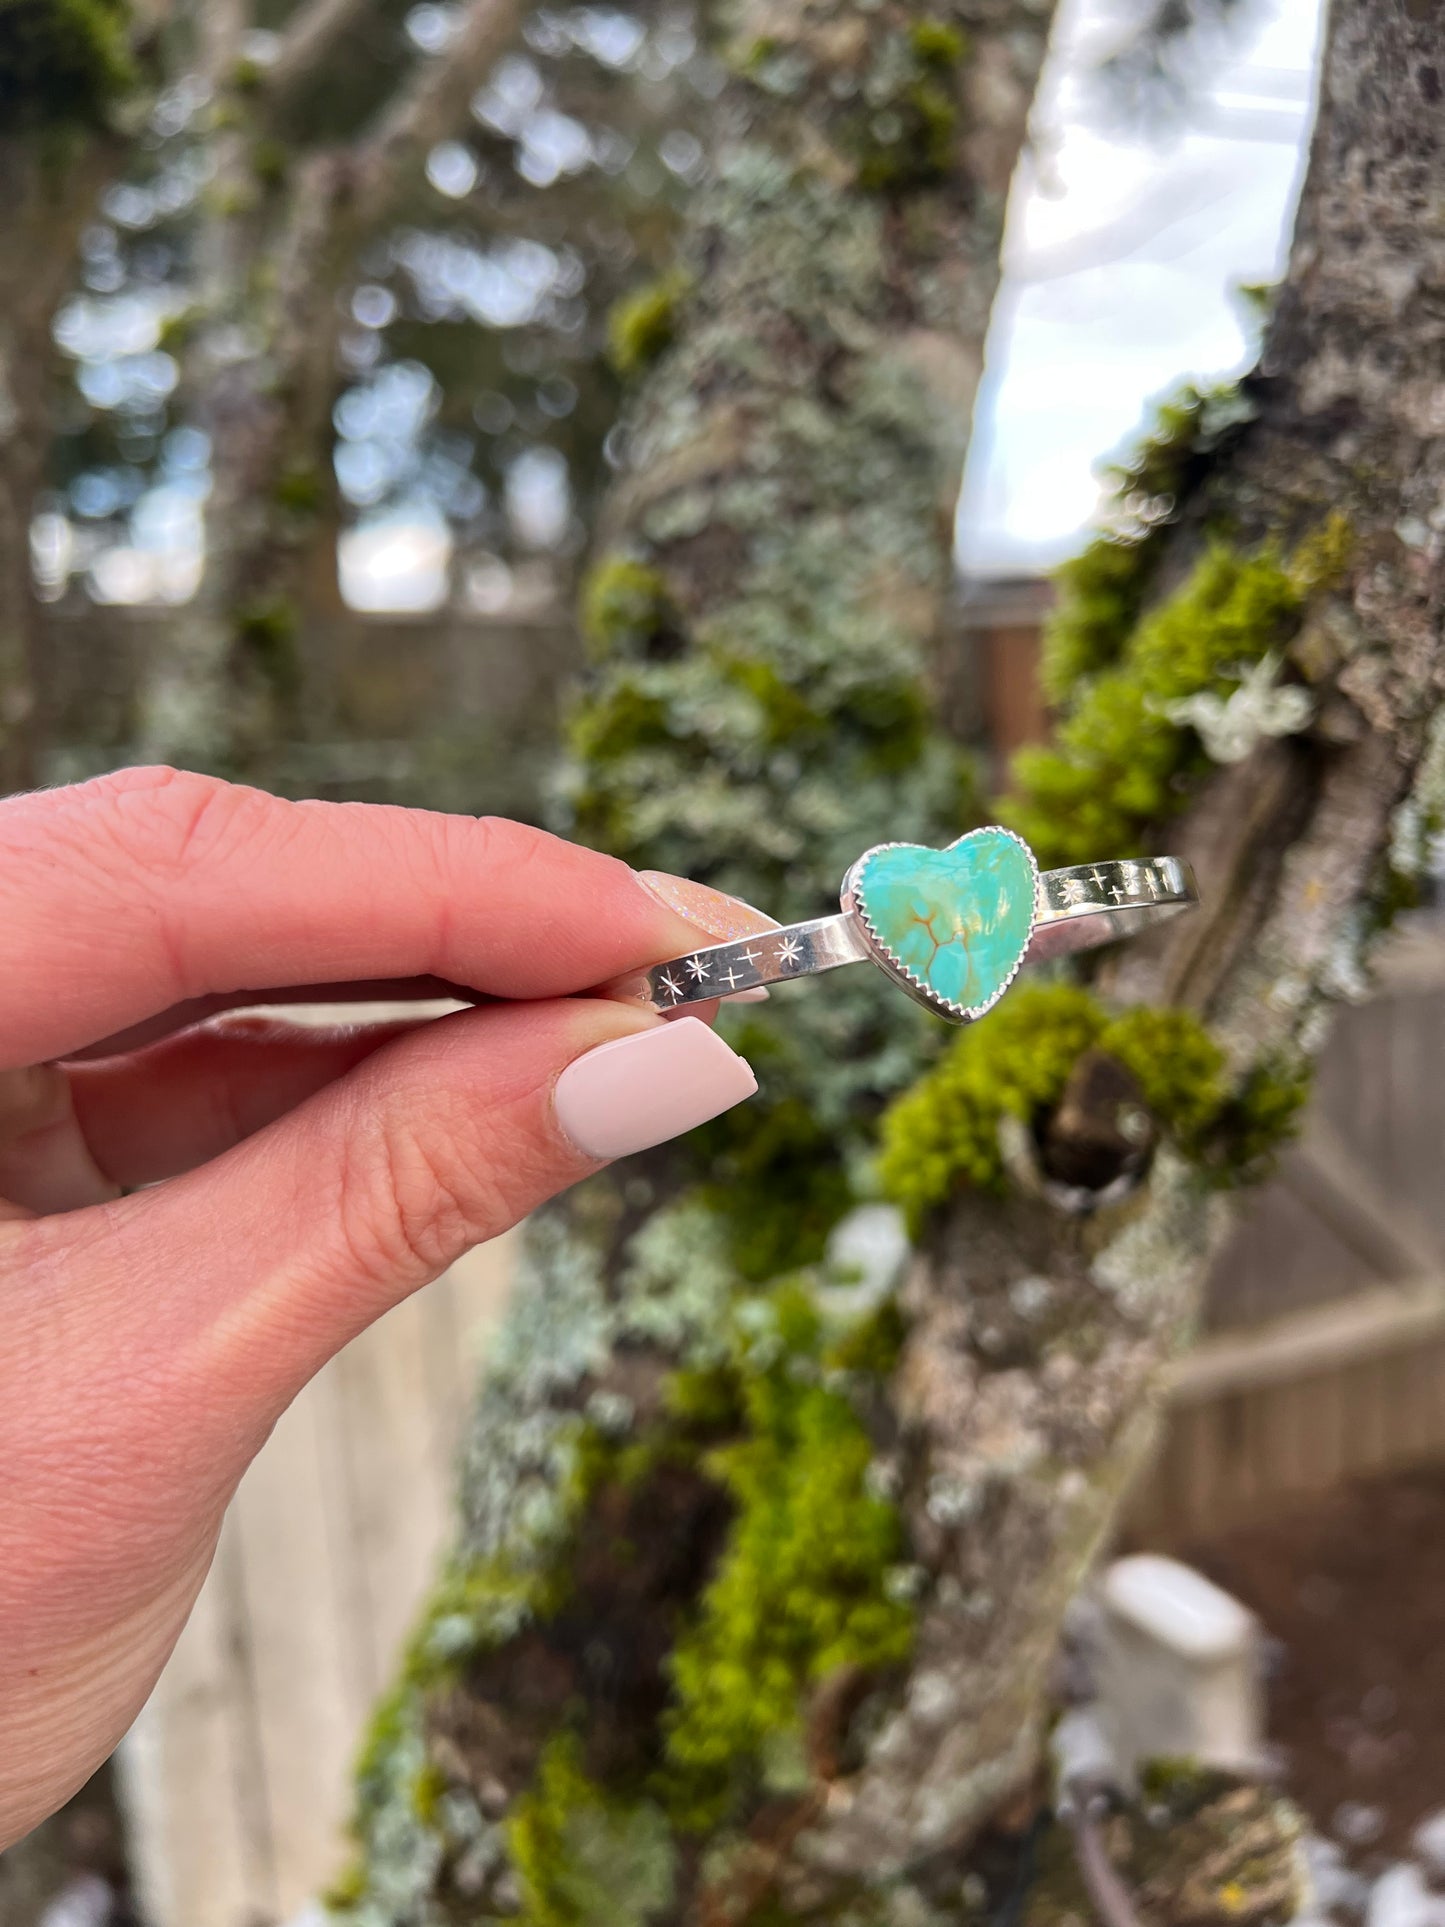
[(757, 995), (641, 1090), (722, 917)]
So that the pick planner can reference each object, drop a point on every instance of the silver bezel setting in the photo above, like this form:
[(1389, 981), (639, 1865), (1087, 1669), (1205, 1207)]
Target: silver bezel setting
[(879, 951)]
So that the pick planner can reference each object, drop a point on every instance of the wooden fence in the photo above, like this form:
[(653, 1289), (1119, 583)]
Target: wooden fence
[(237, 1776)]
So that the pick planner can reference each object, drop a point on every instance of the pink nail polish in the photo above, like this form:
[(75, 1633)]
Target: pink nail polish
[(641, 1090), (721, 916)]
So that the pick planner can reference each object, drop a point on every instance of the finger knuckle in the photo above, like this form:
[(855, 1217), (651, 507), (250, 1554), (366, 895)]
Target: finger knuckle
[(415, 1197), (181, 822)]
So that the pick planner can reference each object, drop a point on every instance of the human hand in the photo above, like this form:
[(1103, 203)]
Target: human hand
[(313, 1178)]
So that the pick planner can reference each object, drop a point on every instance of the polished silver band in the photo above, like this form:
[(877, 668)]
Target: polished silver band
[(1090, 904)]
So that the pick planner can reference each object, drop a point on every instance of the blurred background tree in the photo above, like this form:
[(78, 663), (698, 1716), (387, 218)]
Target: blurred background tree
[(273, 280)]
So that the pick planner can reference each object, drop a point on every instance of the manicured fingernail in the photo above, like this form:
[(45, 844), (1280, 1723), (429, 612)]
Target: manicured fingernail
[(722, 917), (641, 1090)]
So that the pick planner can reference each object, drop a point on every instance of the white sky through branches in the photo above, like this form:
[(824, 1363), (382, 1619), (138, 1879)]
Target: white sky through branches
[(1122, 251)]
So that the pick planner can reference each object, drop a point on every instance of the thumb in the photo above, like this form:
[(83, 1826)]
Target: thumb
[(244, 1276)]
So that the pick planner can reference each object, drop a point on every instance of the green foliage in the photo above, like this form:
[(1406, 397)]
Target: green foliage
[(800, 1588), (1117, 766), (63, 63), (584, 1858), (624, 609), (643, 324)]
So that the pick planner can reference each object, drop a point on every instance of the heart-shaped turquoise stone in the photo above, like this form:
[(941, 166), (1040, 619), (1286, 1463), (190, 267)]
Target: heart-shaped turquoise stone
[(957, 921)]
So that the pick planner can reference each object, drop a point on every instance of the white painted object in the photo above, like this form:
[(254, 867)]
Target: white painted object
[(1427, 1844), (1402, 1899), (84, 1902), (1337, 1892), (1179, 1668)]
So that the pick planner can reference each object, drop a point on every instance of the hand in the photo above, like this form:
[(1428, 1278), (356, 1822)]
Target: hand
[(312, 1178)]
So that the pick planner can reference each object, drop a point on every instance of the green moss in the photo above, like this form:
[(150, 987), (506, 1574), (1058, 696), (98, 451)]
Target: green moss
[(938, 43), (300, 490), (266, 630), (271, 163), (1117, 767), (777, 1180), (1180, 1784), (63, 63), (944, 1131), (613, 726), (873, 1345), (427, 1790), (908, 135), (582, 1857), (1102, 591), (642, 325), (1176, 1064), (1198, 1846), (625, 607), (1259, 1120), (799, 1591), (348, 1888)]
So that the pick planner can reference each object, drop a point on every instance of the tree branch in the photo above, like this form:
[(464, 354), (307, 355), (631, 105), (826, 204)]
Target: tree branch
[(314, 29), (429, 106)]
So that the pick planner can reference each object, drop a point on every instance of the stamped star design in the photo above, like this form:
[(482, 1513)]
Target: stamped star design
[(673, 988), (1075, 890), (1101, 879), (789, 950), (730, 977), (697, 969), (753, 957)]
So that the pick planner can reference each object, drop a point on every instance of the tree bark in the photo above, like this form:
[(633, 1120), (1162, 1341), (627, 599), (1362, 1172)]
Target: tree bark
[(1020, 1470), (772, 584), (1038, 1322), (47, 198)]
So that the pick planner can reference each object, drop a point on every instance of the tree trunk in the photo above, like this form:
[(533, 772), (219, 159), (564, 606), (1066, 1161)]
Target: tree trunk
[(18, 679), (224, 695), (772, 583), (275, 258), (47, 196), (1026, 1430), (757, 1591)]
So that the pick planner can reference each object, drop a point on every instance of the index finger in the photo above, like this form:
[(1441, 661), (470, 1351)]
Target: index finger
[(152, 887)]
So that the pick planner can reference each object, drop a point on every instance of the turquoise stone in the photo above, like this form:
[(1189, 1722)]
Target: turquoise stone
[(957, 920)]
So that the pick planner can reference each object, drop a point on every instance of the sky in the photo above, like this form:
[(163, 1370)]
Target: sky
[(1120, 258)]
